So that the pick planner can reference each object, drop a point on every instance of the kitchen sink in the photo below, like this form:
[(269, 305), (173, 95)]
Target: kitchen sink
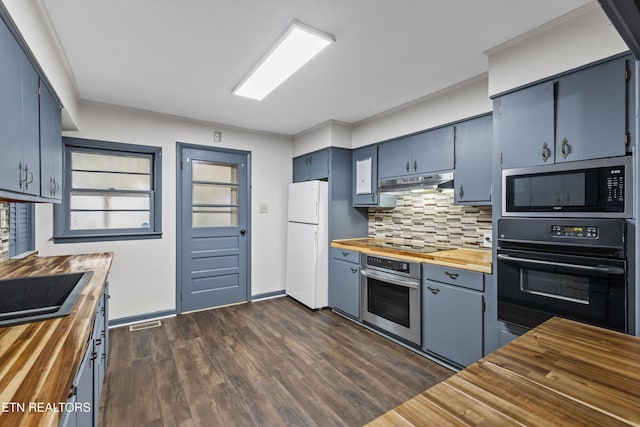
[(35, 298)]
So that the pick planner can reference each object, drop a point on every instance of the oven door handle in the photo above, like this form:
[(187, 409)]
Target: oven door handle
[(587, 268), (390, 279)]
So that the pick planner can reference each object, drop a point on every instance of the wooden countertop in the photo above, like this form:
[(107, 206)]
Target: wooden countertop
[(560, 373), (39, 360), (467, 259)]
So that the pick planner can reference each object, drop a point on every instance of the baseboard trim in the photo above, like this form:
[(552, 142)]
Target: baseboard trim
[(130, 320), (268, 295)]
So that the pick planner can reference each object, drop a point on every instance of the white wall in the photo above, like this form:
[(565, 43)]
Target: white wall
[(37, 31), (459, 102), (328, 134), (578, 38), (143, 275)]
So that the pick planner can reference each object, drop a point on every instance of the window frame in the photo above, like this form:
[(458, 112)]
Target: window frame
[(62, 232)]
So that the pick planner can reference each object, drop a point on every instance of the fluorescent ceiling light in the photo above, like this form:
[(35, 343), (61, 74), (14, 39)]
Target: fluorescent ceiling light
[(295, 48)]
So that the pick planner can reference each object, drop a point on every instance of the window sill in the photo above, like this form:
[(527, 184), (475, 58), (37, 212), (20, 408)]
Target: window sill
[(106, 237)]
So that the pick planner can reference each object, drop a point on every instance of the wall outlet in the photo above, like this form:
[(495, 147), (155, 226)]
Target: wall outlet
[(263, 208), (487, 240), (217, 136)]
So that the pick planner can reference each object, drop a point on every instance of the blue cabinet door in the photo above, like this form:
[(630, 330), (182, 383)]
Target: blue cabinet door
[(524, 123), (50, 146), (362, 158), (473, 147), (319, 164), (300, 169), (11, 176), (591, 113), (452, 322), (394, 158), (84, 389), (30, 128), (344, 287), (432, 150)]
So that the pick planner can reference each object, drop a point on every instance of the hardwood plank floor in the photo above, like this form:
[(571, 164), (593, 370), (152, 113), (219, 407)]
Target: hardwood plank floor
[(272, 362)]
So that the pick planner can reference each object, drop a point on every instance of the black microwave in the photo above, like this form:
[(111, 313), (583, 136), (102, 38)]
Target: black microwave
[(599, 188)]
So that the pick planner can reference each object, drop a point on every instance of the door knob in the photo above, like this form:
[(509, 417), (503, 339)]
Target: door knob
[(243, 231)]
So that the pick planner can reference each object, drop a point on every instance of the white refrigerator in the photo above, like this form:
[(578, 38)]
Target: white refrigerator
[(307, 273)]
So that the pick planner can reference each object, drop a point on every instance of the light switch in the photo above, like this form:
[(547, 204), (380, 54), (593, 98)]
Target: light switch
[(263, 208)]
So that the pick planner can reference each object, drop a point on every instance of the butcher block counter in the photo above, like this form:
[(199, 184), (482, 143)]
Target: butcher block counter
[(467, 259), (562, 373), (38, 361)]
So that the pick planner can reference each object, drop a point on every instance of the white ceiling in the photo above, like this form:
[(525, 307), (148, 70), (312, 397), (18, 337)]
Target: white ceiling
[(184, 57)]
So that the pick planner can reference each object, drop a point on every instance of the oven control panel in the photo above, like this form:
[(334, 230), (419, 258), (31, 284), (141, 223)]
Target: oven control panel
[(587, 232), (389, 264)]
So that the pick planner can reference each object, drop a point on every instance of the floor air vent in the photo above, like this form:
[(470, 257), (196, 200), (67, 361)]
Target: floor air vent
[(146, 325)]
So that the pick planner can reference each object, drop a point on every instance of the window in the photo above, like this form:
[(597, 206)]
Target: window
[(111, 191)]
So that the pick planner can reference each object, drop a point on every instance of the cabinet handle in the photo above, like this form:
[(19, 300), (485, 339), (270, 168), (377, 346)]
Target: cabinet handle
[(461, 192), (415, 165), (99, 341), (373, 197), (565, 149), (29, 177), (94, 355), (433, 290), (310, 160), (354, 270), (72, 391), (452, 275), (345, 253), (407, 167), (20, 179), (546, 153)]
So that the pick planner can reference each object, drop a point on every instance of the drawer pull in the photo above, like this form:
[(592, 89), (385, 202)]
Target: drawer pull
[(433, 290), (345, 253), (452, 275), (99, 341), (354, 270)]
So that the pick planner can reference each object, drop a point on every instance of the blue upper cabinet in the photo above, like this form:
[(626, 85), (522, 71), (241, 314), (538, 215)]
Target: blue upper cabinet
[(50, 146), (28, 124), (364, 166), (311, 166), (395, 157), (432, 150), (473, 147), (524, 124), (578, 116), (424, 152), (591, 113), (19, 127)]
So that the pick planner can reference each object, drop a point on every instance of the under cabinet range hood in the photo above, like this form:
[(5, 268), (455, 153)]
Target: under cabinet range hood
[(437, 180)]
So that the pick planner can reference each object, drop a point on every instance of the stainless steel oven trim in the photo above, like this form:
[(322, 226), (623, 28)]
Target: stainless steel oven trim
[(390, 278), (413, 335), (626, 161)]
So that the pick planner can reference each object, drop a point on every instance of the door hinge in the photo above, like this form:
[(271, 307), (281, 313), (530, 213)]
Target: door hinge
[(627, 74), (181, 164), (628, 139), (180, 296), (484, 306), (39, 91), (501, 157)]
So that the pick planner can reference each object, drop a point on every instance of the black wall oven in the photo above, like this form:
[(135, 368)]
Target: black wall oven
[(390, 296), (599, 188), (573, 268)]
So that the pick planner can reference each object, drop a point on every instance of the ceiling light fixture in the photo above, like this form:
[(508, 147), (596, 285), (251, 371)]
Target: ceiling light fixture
[(294, 48)]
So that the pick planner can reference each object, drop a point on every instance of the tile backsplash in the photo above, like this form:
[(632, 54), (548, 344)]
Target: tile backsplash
[(431, 219), (4, 231)]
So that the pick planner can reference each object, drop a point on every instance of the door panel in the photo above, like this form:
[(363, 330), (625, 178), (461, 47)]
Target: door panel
[(302, 262), (525, 124), (394, 158), (432, 151), (591, 113), (215, 209), (473, 147)]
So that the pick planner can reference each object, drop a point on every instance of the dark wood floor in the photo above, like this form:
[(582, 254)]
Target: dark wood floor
[(272, 362)]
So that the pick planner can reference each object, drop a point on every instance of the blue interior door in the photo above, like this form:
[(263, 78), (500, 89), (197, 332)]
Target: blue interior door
[(214, 243)]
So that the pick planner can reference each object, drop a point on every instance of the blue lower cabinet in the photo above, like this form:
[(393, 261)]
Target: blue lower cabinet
[(83, 405), (452, 322), (344, 287)]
